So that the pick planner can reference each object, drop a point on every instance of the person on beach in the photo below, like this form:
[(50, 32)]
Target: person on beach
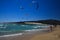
[(51, 28)]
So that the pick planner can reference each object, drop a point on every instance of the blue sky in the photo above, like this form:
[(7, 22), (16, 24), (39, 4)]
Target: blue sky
[(10, 10)]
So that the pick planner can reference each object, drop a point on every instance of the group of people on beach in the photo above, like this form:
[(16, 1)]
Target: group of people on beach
[(51, 28)]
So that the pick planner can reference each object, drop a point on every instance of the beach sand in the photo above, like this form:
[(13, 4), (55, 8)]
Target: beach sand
[(37, 35), (54, 35)]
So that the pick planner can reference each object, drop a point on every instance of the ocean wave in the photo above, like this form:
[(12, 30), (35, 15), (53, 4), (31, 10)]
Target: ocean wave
[(33, 30), (12, 35)]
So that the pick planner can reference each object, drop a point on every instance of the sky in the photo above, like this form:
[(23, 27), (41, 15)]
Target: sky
[(29, 10)]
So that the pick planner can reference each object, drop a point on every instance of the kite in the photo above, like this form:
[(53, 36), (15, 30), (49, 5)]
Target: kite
[(21, 7), (36, 3)]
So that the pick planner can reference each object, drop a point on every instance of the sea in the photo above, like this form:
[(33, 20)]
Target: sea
[(8, 29)]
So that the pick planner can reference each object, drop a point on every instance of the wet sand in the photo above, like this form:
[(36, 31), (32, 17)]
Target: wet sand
[(25, 36)]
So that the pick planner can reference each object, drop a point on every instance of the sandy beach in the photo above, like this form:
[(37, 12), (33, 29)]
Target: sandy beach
[(37, 35), (54, 35)]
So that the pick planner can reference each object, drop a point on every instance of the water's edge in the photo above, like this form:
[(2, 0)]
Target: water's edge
[(26, 32)]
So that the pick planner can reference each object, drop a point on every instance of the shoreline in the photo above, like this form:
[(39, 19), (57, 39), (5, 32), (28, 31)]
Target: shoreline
[(54, 35), (36, 35), (23, 36), (25, 32)]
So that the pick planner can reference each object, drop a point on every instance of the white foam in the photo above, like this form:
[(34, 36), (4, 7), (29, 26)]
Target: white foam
[(38, 26), (12, 35), (35, 27), (22, 25), (33, 30)]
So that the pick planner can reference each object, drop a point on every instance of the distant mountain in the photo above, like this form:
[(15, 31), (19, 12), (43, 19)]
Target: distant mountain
[(52, 22), (48, 21)]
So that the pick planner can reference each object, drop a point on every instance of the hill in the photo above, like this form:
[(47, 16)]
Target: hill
[(48, 21)]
